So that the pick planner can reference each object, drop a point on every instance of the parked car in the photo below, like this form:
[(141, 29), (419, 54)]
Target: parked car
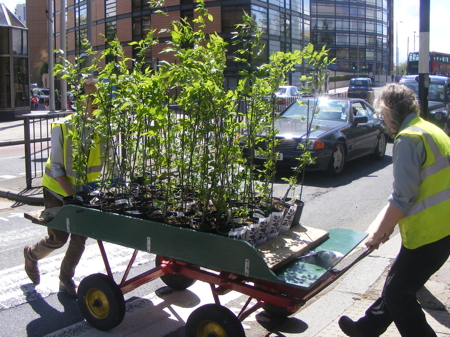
[(286, 94), (41, 93), (361, 87), (438, 98), (341, 130)]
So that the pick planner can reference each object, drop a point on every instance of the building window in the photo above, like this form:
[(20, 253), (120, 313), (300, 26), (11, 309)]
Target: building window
[(306, 7), (231, 16), (81, 15), (141, 27), (5, 93), (307, 31), (296, 5), (285, 25), (262, 57), (296, 28), (342, 10), (80, 36), (259, 14), (326, 9), (274, 46), (274, 22), (19, 42), (188, 15), (110, 8), (110, 30), (21, 90), (342, 24)]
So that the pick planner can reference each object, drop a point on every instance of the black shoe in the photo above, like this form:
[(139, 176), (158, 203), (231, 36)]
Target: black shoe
[(349, 327)]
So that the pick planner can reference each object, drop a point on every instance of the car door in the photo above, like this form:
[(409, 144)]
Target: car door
[(362, 137)]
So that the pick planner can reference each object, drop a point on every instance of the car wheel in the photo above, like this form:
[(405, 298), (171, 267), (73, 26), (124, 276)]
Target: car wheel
[(337, 161), (380, 149), (447, 129)]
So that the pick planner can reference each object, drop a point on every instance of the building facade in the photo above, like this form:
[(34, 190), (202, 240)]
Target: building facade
[(21, 13), (359, 33), (14, 86)]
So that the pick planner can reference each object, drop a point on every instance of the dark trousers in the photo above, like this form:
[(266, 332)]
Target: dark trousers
[(398, 303), (56, 239)]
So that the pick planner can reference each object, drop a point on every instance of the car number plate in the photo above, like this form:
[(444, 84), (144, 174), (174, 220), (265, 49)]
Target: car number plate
[(358, 90), (260, 156)]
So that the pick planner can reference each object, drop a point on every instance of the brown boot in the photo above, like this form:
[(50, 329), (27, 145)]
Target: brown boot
[(31, 267), (69, 287)]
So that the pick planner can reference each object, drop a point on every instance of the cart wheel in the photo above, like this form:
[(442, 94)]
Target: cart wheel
[(277, 311), (213, 320), (175, 281), (101, 302)]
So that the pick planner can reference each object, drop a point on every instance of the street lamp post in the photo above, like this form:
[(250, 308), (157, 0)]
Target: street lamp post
[(396, 37)]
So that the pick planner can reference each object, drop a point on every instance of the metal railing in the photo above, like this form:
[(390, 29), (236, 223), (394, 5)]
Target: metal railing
[(36, 141)]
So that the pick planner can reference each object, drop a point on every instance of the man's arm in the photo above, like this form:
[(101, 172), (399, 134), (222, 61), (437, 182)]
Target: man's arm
[(383, 226)]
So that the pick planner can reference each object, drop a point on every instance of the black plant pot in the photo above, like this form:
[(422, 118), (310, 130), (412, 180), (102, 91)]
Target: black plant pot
[(298, 213), (73, 200)]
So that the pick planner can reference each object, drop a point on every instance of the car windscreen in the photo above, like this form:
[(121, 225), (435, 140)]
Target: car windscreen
[(329, 110), (435, 90), (359, 83), (280, 91)]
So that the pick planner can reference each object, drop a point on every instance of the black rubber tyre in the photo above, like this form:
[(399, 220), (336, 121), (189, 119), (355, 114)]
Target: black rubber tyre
[(175, 281), (213, 320), (277, 311), (380, 149), (337, 161), (101, 302)]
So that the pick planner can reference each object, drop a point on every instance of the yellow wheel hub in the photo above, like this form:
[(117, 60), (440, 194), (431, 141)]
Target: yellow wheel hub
[(97, 303), (210, 329)]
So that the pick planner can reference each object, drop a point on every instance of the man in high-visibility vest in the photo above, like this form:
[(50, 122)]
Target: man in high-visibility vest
[(59, 181), (420, 204)]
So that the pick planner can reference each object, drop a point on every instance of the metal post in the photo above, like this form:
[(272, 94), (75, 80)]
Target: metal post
[(51, 80), (89, 29), (27, 150), (357, 41), (424, 56), (62, 40), (396, 37)]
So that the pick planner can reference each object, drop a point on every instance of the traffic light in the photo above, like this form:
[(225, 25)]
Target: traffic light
[(354, 66), (370, 66)]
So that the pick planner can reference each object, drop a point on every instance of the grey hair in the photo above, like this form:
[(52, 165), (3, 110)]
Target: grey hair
[(395, 102)]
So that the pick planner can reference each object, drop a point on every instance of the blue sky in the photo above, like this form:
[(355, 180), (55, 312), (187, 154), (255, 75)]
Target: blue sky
[(406, 11)]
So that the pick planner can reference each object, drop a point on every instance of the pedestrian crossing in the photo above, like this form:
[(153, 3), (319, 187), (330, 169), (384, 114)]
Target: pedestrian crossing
[(20, 175)]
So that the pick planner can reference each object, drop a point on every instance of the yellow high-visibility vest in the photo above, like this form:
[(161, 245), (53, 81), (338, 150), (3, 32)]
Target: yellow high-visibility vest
[(428, 220), (94, 165)]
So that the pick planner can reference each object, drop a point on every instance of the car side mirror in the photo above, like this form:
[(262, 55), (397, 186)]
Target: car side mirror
[(360, 120)]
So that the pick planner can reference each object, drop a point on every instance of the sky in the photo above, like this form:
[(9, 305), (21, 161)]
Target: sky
[(406, 18)]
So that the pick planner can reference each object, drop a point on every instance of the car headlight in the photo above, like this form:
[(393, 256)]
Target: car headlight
[(311, 144)]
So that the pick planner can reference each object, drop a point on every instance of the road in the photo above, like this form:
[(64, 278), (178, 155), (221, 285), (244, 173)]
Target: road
[(349, 201)]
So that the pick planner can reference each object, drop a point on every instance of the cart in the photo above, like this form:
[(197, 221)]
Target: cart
[(184, 256)]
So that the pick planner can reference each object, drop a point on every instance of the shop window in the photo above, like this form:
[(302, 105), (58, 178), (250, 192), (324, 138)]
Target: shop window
[(5, 93), (21, 90)]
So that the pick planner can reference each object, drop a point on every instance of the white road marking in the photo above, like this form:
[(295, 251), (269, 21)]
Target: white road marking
[(17, 289), (7, 176)]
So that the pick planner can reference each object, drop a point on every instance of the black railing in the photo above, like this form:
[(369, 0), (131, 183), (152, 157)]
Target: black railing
[(36, 141)]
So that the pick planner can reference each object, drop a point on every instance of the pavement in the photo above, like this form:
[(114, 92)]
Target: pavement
[(351, 295)]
